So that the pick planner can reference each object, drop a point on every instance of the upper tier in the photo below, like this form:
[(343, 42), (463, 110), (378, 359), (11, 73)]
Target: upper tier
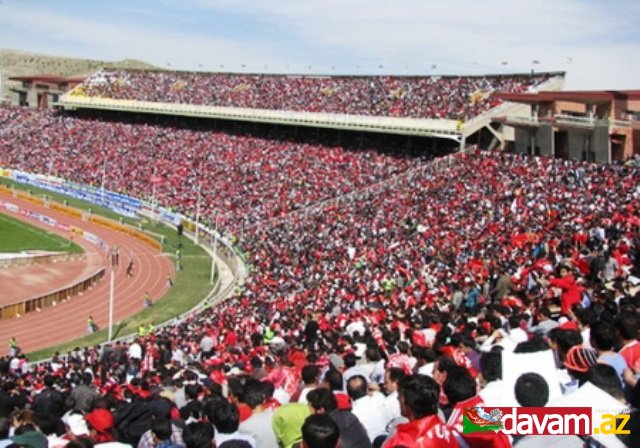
[(381, 96)]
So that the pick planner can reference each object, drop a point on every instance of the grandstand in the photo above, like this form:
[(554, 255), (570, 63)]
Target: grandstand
[(372, 228), (435, 106)]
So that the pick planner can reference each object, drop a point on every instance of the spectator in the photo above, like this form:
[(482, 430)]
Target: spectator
[(418, 396), (320, 431), (352, 433), (259, 424), (198, 435), (368, 408), (224, 416)]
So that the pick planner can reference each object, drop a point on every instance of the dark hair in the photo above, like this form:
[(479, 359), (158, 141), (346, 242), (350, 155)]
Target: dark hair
[(491, 366), (224, 416), (254, 393), (396, 374), (333, 378), (350, 360), (445, 364), (357, 387), (5, 424), (535, 344), (161, 428), (606, 378), (49, 380), (320, 431), (236, 386), (532, 389), (514, 321), (47, 422), (310, 373), (372, 353), (420, 394), (235, 443), (197, 435), (565, 339), (322, 398), (627, 325), (459, 385), (545, 311), (268, 388), (192, 391), (585, 316), (80, 442), (603, 335)]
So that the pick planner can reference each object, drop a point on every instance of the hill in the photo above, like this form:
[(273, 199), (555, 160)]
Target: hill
[(20, 63)]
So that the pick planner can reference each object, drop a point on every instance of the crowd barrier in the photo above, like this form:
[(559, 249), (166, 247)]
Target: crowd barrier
[(112, 225), (51, 298)]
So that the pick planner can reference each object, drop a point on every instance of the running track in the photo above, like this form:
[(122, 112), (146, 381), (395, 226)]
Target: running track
[(68, 320)]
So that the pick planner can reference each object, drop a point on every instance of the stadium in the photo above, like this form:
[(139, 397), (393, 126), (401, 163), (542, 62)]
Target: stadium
[(267, 260)]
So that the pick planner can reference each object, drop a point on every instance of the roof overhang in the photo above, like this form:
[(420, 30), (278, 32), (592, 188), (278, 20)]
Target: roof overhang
[(387, 125)]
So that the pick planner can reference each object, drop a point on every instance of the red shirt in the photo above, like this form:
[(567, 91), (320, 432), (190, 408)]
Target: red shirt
[(488, 439), (426, 432), (571, 292), (631, 353)]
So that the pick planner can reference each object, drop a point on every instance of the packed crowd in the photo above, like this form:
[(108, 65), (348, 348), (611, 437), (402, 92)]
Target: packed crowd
[(243, 179), (416, 97), (377, 320)]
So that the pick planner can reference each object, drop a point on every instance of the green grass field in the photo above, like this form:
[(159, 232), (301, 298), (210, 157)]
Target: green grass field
[(191, 285), (18, 236)]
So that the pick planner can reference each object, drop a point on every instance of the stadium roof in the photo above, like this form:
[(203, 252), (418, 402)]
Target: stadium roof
[(579, 96), (55, 79)]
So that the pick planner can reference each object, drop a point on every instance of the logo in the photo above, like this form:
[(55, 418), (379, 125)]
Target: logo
[(476, 419), (542, 421)]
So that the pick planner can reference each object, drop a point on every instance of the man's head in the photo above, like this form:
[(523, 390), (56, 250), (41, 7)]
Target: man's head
[(161, 429), (459, 385), (322, 400), (310, 374), (198, 435), (254, 393), (532, 389), (320, 431), (627, 325), (603, 335), (333, 379), (418, 396), (491, 366), (357, 387), (223, 415), (391, 379), (442, 367)]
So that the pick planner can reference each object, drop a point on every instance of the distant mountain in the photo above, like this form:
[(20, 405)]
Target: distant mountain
[(22, 63)]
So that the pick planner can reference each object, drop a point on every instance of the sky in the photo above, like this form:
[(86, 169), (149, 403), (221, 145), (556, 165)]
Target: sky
[(596, 42)]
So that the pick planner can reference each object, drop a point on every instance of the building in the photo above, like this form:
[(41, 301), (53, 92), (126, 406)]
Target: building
[(40, 90), (596, 126)]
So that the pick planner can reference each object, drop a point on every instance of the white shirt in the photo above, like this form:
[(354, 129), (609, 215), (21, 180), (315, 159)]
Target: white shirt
[(492, 393), (392, 406), (135, 351), (367, 409), (427, 369), (303, 394)]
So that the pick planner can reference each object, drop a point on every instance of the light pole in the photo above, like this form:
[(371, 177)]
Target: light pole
[(215, 249), (111, 298), (199, 187), (104, 175)]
